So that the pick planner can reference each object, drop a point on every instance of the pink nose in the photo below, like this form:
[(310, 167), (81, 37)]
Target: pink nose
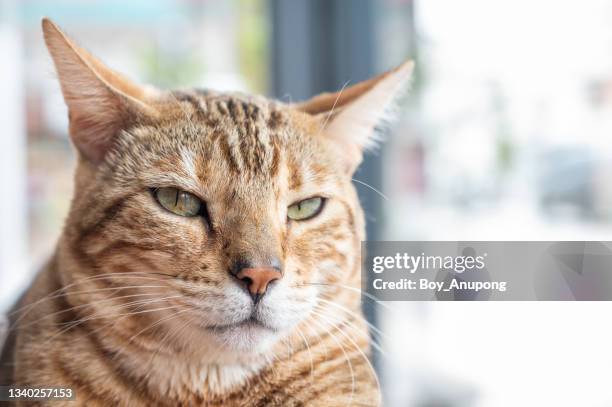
[(257, 280)]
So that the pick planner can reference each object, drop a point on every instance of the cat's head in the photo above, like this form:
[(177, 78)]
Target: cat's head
[(217, 220)]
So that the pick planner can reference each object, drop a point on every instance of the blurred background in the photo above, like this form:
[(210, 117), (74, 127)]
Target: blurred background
[(506, 135)]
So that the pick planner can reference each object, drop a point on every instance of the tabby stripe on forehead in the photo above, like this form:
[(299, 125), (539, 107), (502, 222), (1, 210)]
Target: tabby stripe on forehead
[(296, 179), (247, 153), (221, 107), (194, 101), (252, 111), (275, 158), (275, 119), (227, 153), (234, 111)]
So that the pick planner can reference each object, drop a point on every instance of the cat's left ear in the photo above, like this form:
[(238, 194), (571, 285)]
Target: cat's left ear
[(349, 117)]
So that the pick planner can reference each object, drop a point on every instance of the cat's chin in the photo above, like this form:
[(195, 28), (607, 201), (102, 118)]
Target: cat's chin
[(249, 335)]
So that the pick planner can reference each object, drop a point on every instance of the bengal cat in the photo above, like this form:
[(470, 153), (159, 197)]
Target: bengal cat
[(211, 255)]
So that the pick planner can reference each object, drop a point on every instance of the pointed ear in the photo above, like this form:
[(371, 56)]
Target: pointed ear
[(349, 117), (100, 101)]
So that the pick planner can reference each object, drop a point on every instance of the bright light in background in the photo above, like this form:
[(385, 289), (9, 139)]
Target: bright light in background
[(538, 52), (498, 354), (513, 120), (13, 207), (511, 139)]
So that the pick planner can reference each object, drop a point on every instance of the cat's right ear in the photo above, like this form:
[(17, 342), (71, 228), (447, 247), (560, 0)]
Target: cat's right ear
[(100, 101)]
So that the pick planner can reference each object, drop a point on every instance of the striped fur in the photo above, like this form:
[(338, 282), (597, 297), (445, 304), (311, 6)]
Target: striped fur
[(131, 309)]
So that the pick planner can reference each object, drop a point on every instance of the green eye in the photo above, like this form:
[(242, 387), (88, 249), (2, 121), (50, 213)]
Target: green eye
[(306, 209), (178, 202)]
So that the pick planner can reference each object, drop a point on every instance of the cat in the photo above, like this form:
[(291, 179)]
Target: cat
[(211, 254)]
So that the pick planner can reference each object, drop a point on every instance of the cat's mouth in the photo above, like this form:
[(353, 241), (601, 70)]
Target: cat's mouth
[(249, 323)]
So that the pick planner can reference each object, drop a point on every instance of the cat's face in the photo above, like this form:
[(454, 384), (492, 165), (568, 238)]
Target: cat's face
[(245, 162), (230, 215)]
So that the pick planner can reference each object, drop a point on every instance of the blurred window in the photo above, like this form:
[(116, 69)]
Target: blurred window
[(505, 136)]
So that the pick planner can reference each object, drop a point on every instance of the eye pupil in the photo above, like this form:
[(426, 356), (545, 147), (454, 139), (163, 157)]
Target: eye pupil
[(178, 202), (305, 209)]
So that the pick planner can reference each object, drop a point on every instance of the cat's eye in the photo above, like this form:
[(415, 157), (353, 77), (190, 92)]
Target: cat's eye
[(306, 209), (178, 202)]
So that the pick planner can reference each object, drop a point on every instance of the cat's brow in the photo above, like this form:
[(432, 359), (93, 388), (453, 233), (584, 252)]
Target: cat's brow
[(326, 189), (326, 183), (171, 179)]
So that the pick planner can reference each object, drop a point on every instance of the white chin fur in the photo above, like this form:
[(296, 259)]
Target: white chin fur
[(247, 337)]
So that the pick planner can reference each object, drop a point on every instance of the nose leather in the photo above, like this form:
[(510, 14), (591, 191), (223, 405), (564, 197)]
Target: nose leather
[(257, 279)]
